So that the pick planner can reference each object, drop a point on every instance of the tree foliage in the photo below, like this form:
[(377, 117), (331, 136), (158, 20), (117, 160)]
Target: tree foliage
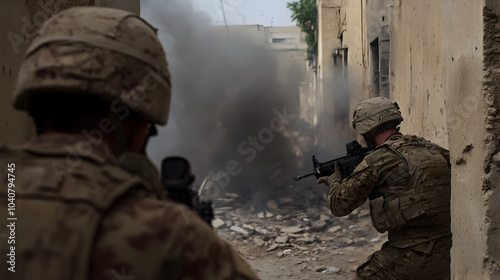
[(305, 13)]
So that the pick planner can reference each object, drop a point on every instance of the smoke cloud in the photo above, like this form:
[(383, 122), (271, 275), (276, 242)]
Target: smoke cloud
[(235, 105)]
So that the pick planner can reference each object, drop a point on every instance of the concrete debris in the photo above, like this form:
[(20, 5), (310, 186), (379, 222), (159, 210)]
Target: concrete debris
[(319, 225), (232, 195), (249, 227), (281, 239), (218, 222), (295, 229), (259, 242), (272, 247), (306, 239), (271, 204), (302, 231), (319, 268), (334, 229), (238, 229), (324, 217), (331, 269), (262, 231), (302, 248), (269, 214)]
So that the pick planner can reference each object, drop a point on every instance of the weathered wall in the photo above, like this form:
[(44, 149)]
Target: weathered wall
[(466, 120), (444, 73), (492, 88), (417, 67), (328, 32), (19, 21), (352, 39)]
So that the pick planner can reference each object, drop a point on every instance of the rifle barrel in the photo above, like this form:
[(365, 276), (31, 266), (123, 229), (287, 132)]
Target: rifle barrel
[(300, 177)]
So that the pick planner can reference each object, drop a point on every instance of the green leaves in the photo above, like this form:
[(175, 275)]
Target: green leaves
[(305, 14)]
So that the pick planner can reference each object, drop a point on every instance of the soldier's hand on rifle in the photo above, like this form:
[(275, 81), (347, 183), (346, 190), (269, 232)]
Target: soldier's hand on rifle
[(323, 180), (336, 176)]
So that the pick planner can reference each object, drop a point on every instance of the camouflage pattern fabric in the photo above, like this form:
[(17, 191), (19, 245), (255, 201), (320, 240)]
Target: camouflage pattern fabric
[(79, 216), (407, 181), (391, 263)]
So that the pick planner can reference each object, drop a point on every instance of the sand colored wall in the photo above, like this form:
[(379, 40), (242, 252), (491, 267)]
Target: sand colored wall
[(418, 67), (440, 60), (354, 33), (444, 65)]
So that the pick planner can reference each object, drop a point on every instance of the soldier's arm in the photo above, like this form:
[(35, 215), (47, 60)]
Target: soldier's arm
[(353, 191), (204, 254)]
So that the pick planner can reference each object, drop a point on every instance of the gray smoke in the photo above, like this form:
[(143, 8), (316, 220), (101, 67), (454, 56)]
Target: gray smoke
[(234, 109)]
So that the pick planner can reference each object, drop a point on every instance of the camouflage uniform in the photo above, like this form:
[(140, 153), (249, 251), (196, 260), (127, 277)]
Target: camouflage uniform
[(81, 212), (86, 218), (407, 180)]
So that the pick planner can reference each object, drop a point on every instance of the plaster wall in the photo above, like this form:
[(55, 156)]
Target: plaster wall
[(473, 127), (466, 120), (334, 80), (418, 66), (352, 28), (444, 65)]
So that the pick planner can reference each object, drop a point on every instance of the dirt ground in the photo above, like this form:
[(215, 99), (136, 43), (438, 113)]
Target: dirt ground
[(294, 236)]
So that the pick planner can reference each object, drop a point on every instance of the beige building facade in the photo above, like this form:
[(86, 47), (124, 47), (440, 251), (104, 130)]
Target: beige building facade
[(19, 21), (440, 61)]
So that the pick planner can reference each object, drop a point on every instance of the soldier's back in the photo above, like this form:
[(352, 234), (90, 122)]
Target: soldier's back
[(79, 216)]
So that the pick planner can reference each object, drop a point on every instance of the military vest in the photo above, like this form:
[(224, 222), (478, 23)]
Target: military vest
[(60, 199), (420, 211)]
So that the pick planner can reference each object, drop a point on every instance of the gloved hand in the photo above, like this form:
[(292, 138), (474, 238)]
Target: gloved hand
[(323, 180), (335, 177)]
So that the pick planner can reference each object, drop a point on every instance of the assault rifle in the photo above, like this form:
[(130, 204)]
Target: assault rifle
[(347, 164), (177, 179)]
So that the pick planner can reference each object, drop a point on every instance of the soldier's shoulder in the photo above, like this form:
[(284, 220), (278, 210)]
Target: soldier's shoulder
[(381, 154), (13, 154)]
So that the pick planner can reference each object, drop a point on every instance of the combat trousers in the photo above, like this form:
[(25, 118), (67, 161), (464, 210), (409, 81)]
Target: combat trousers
[(391, 263)]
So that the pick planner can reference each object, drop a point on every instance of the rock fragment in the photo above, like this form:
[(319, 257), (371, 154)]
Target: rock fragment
[(218, 222)]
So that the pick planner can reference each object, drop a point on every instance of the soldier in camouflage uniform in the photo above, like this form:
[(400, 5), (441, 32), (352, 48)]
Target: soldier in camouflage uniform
[(407, 181), (88, 200)]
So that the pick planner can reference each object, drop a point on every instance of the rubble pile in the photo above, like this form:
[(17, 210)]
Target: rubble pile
[(284, 226)]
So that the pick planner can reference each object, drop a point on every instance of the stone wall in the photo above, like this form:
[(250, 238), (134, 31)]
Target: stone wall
[(491, 89)]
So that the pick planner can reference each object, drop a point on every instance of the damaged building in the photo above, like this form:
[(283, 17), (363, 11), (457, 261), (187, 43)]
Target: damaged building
[(440, 61)]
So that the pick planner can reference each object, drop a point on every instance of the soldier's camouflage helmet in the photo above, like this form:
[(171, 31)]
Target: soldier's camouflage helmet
[(374, 112), (100, 51)]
